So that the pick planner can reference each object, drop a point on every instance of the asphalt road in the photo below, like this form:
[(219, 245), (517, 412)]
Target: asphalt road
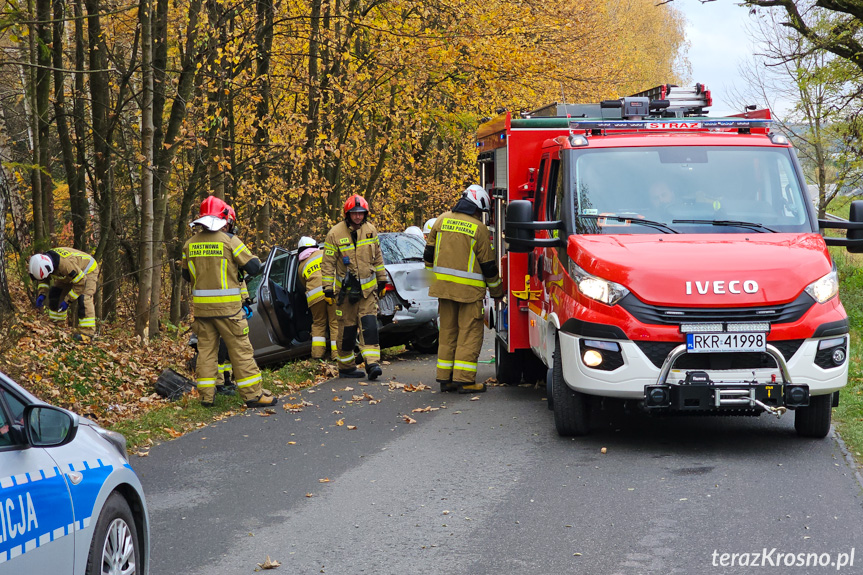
[(487, 486)]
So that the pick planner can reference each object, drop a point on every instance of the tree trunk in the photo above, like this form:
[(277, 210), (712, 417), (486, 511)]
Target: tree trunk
[(145, 246), (6, 183), (264, 41), (102, 161), (43, 94), (80, 206)]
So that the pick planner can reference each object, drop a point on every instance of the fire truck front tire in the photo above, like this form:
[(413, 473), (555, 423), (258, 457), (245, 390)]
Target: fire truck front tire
[(814, 420), (571, 408), (507, 368)]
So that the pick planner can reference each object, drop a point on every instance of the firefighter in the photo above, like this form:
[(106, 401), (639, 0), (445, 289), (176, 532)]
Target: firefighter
[(353, 273), (75, 275), (415, 231), (460, 252), (428, 226), (212, 261), (323, 309)]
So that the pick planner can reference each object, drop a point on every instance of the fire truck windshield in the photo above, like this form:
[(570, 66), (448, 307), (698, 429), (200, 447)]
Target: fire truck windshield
[(708, 189)]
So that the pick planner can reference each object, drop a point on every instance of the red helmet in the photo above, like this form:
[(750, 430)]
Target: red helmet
[(356, 203), (213, 206), (231, 215)]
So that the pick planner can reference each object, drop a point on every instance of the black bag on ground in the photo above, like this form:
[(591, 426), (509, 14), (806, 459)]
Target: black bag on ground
[(171, 385)]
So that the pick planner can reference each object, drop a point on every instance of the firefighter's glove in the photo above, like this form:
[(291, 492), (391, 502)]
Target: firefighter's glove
[(329, 300), (247, 309), (382, 289), (40, 301), (63, 306), (328, 294)]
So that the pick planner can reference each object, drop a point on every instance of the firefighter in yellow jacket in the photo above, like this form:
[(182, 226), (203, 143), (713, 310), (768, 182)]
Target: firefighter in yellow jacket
[(212, 260), (75, 275), (353, 273), (323, 309), (460, 252)]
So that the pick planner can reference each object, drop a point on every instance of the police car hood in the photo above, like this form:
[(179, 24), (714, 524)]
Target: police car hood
[(706, 270)]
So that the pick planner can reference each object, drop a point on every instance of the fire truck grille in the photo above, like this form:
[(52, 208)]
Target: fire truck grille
[(657, 351), (662, 315)]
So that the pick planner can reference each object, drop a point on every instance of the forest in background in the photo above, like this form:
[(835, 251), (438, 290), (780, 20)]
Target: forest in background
[(117, 118)]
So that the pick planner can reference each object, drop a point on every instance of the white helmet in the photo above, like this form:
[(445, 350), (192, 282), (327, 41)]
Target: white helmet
[(477, 196), (414, 230), (306, 242), (41, 266), (428, 225)]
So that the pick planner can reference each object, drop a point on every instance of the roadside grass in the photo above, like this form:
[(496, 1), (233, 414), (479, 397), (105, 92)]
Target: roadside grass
[(848, 417), (186, 414)]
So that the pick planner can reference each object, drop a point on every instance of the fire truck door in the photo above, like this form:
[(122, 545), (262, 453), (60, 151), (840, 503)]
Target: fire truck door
[(535, 291)]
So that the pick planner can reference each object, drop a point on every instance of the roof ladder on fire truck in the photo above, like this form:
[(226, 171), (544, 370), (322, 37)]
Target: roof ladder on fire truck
[(682, 101)]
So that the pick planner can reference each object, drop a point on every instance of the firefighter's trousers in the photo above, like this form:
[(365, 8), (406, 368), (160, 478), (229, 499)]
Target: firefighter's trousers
[(83, 293), (235, 333), (324, 320), (353, 316), (459, 340)]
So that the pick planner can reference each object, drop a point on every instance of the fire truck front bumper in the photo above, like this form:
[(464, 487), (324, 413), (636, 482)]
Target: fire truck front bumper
[(634, 376)]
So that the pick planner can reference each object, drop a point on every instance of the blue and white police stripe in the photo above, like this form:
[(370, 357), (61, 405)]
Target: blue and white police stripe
[(35, 517)]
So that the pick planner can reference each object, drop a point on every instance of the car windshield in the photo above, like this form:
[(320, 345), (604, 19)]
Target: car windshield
[(399, 248), (704, 189)]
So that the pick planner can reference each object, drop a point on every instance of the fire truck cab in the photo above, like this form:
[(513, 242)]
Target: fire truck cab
[(656, 255)]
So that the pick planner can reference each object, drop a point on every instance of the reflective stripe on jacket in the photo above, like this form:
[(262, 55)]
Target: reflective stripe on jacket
[(461, 245), (213, 260), (310, 277), (366, 262)]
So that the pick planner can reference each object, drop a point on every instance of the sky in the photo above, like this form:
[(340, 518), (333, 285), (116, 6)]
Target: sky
[(718, 46)]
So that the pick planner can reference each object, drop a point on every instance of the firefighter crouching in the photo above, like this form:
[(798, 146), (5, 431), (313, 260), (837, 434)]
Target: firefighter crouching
[(212, 260), (460, 252), (75, 275), (353, 273), (322, 308)]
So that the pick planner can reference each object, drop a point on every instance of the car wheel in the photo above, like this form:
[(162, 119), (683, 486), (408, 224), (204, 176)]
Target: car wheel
[(115, 547), (814, 420), (507, 368), (426, 345), (571, 408)]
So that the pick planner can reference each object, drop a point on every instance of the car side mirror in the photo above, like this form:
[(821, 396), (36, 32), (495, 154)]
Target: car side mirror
[(49, 426)]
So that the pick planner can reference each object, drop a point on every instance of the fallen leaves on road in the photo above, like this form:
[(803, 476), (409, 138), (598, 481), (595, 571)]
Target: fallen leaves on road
[(296, 407), (475, 398), (269, 564), (603, 450), (337, 398), (310, 494), (352, 427), (172, 432), (267, 412), (292, 443), (407, 387), (408, 419), (340, 422), (324, 480), (425, 409)]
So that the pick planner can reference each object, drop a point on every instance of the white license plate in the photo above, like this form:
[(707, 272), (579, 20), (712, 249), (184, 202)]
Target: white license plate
[(725, 342)]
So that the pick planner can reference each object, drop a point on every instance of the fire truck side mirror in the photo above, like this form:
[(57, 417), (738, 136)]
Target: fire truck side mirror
[(519, 212), (856, 216), (519, 230)]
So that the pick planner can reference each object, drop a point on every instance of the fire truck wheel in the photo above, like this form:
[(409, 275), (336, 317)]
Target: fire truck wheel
[(571, 408), (814, 421), (507, 368)]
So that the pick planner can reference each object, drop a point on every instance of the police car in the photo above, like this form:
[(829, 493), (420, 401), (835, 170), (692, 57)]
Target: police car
[(70, 503)]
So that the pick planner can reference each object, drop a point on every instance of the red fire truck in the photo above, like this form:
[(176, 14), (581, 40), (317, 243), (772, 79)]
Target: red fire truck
[(663, 257)]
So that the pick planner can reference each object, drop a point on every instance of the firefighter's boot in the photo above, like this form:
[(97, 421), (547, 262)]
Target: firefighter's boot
[(471, 387), (266, 399), (228, 388), (374, 371), (351, 373), (447, 385)]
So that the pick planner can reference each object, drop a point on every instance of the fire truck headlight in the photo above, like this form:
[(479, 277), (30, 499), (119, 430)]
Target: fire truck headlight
[(596, 288), (592, 358), (825, 288)]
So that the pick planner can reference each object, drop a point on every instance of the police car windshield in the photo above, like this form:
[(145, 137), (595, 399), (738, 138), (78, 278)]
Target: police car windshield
[(688, 188)]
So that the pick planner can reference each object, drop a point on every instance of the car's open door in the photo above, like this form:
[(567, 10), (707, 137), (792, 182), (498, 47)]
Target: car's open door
[(282, 302), (273, 301)]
